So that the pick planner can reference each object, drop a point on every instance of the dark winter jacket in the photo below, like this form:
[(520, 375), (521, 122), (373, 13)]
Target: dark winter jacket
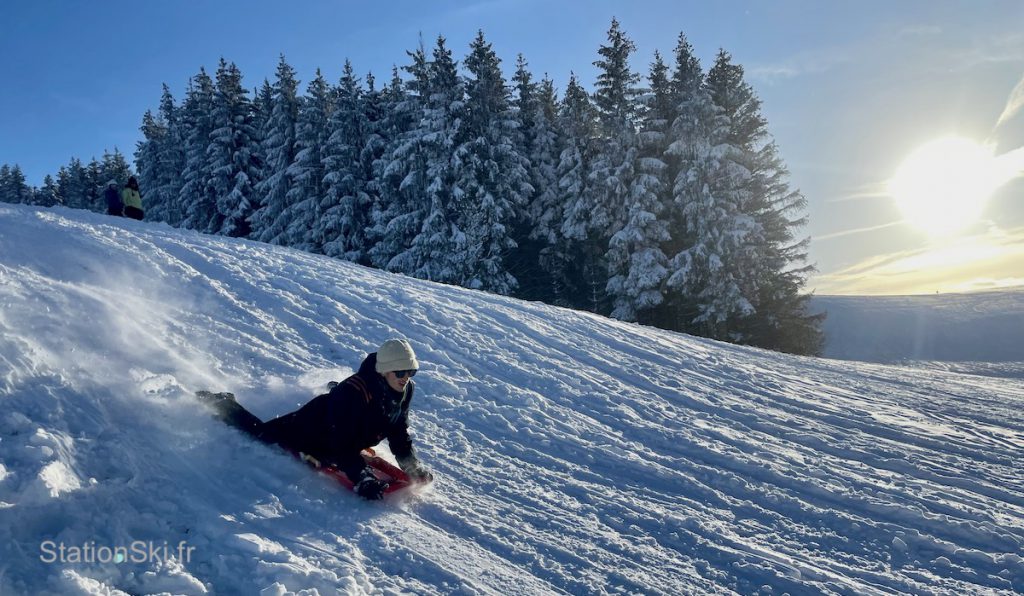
[(358, 413), (113, 198)]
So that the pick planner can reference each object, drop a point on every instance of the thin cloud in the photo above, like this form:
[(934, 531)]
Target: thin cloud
[(982, 51), (815, 61), (971, 263), (858, 231), (952, 55), (821, 60)]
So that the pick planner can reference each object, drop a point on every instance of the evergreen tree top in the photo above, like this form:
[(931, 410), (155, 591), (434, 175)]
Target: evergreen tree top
[(735, 97), (616, 90), (487, 88), (443, 69), (286, 83), (318, 88), (523, 78), (166, 103), (349, 83), (200, 89), (688, 76), (419, 69), (660, 103)]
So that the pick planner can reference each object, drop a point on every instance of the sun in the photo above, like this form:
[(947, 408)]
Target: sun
[(943, 186)]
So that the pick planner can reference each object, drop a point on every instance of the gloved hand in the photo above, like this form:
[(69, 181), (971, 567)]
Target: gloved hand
[(415, 469), (369, 487)]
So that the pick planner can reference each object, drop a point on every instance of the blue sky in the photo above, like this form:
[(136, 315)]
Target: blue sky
[(849, 90)]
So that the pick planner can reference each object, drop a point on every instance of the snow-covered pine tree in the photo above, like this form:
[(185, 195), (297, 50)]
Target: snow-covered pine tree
[(46, 195), (278, 146), (536, 111), (233, 154), (21, 192), (73, 183), (346, 203), (115, 167), (62, 174), (603, 207), (161, 194), (94, 187), (13, 188), (689, 113), (381, 129), (439, 243), (546, 149), (494, 176), (525, 103), (6, 196), (196, 197), (399, 171), (262, 109), (150, 162), (781, 321), (635, 257), (306, 172), (578, 281), (421, 174), (147, 160), (708, 284), (616, 98)]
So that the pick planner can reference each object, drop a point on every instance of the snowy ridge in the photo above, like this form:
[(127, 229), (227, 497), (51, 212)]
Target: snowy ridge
[(573, 453)]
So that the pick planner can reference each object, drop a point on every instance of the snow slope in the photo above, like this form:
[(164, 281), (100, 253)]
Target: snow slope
[(978, 332), (573, 453)]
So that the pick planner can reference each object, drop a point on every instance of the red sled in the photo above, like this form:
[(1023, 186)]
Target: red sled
[(383, 469)]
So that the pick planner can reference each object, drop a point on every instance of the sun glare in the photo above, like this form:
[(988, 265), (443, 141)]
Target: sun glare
[(943, 186)]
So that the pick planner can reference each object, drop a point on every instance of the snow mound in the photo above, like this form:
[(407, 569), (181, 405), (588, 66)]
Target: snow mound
[(573, 453)]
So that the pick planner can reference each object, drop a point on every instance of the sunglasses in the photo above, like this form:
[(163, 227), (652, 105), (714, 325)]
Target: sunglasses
[(401, 374)]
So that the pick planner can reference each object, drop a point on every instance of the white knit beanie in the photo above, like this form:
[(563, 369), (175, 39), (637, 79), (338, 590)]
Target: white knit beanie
[(396, 354)]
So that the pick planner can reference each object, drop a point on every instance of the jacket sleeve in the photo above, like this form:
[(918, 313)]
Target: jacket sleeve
[(398, 433)]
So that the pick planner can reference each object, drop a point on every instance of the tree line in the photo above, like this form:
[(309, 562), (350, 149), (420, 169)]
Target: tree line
[(78, 185), (662, 201)]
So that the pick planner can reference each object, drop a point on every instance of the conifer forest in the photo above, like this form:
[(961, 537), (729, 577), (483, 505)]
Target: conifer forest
[(658, 197)]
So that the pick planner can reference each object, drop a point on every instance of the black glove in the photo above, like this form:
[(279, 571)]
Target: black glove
[(369, 487), (415, 470)]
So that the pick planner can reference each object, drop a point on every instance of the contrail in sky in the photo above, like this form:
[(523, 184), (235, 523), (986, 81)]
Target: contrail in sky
[(1009, 165), (858, 230), (1013, 104), (857, 196)]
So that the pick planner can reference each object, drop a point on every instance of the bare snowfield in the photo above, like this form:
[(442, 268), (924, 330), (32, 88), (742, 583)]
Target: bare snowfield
[(573, 453)]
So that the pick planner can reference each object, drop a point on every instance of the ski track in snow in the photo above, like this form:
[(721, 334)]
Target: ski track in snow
[(573, 454)]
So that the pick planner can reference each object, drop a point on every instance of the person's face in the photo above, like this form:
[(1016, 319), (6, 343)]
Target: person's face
[(396, 383)]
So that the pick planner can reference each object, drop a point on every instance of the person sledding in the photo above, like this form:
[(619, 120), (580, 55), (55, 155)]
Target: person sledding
[(334, 428)]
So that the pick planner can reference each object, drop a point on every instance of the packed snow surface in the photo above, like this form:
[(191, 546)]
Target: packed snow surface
[(573, 454)]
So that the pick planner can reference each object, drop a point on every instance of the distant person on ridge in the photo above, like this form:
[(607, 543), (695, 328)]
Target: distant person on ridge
[(356, 414), (132, 199), (114, 204)]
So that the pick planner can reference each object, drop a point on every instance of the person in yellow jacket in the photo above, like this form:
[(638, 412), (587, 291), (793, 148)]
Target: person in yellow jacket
[(132, 199)]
